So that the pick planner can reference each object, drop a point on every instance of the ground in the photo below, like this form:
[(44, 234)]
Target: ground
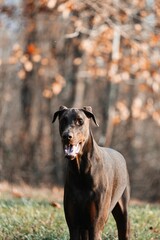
[(28, 213), (25, 191)]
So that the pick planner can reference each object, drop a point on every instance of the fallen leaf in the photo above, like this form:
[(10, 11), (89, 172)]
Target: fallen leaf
[(17, 194), (55, 205)]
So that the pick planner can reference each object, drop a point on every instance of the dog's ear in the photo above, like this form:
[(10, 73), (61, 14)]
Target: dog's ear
[(88, 112), (57, 114)]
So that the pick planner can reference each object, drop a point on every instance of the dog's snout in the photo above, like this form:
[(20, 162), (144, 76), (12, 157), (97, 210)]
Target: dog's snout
[(67, 136)]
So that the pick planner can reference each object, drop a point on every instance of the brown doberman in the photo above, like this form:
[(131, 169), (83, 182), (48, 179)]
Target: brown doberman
[(96, 179)]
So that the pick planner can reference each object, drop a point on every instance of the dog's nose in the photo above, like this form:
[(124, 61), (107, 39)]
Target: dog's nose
[(67, 136)]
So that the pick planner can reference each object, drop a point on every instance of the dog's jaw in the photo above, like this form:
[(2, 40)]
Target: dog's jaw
[(71, 151)]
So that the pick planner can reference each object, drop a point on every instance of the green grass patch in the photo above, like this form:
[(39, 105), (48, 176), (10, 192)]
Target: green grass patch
[(23, 219)]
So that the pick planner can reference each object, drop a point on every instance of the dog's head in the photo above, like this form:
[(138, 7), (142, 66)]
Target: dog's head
[(74, 128)]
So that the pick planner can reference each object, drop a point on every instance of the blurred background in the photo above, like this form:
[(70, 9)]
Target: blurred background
[(75, 53)]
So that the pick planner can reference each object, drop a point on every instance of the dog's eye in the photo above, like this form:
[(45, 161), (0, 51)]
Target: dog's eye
[(79, 121)]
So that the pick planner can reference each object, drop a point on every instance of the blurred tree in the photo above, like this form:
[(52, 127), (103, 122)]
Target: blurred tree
[(104, 54)]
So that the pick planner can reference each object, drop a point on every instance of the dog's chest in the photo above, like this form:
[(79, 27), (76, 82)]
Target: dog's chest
[(86, 199), (83, 189)]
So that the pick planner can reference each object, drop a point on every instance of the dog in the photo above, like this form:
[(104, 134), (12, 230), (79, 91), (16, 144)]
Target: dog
[(97, 181)]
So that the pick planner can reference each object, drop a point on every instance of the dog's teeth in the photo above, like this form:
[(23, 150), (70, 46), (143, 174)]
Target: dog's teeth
[(71, 150)]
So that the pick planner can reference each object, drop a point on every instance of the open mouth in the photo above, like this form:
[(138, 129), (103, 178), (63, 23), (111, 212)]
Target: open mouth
[(71, 150)]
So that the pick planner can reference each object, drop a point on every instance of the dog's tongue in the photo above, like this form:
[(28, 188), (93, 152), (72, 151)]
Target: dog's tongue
[(71, 150)]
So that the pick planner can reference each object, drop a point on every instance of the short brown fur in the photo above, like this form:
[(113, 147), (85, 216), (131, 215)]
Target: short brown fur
[(96, 179)]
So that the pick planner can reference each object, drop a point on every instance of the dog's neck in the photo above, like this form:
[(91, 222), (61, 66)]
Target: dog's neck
[(89, 147)]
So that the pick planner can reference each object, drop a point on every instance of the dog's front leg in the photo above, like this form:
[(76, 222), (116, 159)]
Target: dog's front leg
[(95, 226), (84, 234), (94, 234), (74, 229), (74, 233), (71, 216)]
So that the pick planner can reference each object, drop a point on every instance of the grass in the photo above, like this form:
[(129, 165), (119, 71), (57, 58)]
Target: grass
[(22, 219), (27, 220)]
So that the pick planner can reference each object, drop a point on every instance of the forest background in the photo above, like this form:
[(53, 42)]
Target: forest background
[(75, 53)]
